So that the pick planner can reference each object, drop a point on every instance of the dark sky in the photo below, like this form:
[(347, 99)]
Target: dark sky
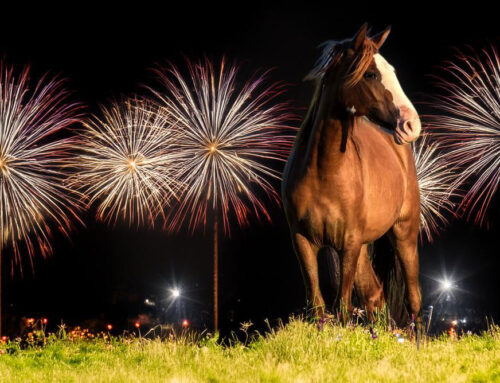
[(107, 51)]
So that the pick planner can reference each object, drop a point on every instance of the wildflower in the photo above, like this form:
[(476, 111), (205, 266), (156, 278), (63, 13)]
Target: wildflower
[(357, 312), (321, 323)]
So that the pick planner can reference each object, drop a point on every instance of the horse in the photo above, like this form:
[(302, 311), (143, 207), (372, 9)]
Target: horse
[(350, 179)]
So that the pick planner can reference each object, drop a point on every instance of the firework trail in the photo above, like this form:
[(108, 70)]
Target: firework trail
[(127, 163), (229, 135), (33, 193), (435, 178), (469, 127)]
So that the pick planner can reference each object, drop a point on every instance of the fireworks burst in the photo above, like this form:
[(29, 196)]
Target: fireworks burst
[(228, 136), (470, 127), (33, 194), (127, 163), (435, 178)]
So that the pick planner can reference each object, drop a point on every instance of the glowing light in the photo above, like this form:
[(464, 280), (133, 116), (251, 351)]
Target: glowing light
[(454, 322), (175, 293), (137, 324), (128, 164), (33, 162), (45, 320), (109, 327), (216, 116), (446, 284), (149, 302), (469, 127), (185, 323)]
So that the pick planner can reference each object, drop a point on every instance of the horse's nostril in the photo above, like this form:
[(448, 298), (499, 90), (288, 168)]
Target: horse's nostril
[(407, 126)]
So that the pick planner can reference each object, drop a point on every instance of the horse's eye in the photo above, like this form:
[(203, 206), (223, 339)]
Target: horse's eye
[(370, 76)]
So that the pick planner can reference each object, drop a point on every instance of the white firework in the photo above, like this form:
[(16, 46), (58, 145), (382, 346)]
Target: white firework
[(469, 127), (33, 158), (435, 178), (229, 135), (127, 163)]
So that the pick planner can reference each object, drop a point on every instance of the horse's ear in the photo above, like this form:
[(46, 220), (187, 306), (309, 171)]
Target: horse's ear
[(360, 37), (379, 38)]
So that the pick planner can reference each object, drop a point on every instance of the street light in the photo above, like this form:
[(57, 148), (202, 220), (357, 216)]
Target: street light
[(446, 285), (175, 293)]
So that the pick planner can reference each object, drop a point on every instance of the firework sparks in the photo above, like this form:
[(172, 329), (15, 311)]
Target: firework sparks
[(470, 127), (33, 194), (228, 136), (435, 178), (127, 163)]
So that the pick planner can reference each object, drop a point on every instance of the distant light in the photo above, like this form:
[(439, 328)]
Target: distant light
[(446, 284), (454, 322), (109, 327), (175, 293), (463, 320), (45, 320), (147, 302), (137, 324), (185, 323), (401, 340)]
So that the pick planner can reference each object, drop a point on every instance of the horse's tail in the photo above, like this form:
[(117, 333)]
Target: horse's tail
[(389, 271)]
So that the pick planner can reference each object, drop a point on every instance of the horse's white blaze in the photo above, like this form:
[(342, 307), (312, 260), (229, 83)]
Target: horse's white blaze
[(409, 125)]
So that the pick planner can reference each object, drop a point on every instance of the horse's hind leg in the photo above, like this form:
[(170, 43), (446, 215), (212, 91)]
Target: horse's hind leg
[(368, 287), (307, 254), (350, 256)]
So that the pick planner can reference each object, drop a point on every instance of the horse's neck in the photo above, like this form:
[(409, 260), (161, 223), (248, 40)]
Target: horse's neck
[(341, 141), (320, 115)]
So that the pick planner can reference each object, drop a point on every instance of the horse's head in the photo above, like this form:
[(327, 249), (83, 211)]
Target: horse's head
[(365, 84)]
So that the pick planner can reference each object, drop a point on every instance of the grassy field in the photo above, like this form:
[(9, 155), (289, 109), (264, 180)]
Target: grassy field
[(296, 353)]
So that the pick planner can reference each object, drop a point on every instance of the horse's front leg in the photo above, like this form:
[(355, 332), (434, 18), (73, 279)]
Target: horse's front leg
[(307, 254), (350, 256), (405, 236)]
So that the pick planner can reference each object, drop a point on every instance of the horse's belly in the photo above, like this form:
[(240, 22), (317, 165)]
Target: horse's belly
[(328, 222)]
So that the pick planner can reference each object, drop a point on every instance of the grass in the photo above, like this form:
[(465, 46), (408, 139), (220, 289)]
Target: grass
[(297, 352)]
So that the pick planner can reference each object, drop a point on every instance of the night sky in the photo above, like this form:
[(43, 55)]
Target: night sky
[(108, 272)]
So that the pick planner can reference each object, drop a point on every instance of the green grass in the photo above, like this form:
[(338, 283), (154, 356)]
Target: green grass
[(296, 353)]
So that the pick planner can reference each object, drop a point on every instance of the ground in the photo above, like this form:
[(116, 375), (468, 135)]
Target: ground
[(297, 352)]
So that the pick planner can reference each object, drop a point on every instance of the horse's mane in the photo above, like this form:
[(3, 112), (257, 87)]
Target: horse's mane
[(332, 54)]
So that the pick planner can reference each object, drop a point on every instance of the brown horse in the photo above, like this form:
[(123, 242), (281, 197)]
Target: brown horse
[(351, 176)]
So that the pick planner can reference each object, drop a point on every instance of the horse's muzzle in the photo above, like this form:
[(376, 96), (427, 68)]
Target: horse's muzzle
[(408, 127)]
